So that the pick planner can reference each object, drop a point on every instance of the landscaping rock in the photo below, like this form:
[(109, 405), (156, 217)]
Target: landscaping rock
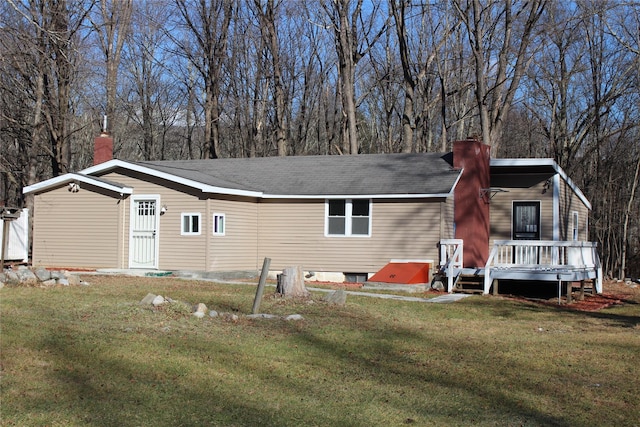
[(11, 278), (73, 279), (63, 281), (42, 274), (213, 313), (50, 282), (148, 299), (230, 317), (26, 276), (338, 297), (261, 316), (199, 310), (294, 317), (158, 300)]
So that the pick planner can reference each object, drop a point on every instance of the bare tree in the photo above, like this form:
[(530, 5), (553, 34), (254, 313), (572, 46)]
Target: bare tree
[(500, 60), (345, 17), (208, 23), (267, 19), (112, 24)]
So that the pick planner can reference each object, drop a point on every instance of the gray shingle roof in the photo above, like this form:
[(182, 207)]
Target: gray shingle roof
[(365, 174)]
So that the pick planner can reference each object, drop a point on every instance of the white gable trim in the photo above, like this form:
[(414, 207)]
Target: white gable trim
[(76, 177), (113, 164), (544, 162), (357, 196)]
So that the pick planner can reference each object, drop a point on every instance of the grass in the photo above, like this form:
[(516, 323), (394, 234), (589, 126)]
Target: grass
[(93, 356)]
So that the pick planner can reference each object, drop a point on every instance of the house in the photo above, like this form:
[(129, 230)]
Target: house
[(337, 216)]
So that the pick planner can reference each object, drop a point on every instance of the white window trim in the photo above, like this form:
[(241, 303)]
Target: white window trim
[(190, 233), (348, 219), (215, 224), (575, 225)]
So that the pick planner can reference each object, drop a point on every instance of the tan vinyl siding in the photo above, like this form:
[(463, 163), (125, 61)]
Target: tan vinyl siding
[(237, 249), (293, 233), (446, 222), (519, 188), (569, 203), (234, 251), (175, 252), (76, 229)]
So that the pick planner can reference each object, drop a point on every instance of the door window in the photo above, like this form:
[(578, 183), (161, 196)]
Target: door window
[(526, 220)]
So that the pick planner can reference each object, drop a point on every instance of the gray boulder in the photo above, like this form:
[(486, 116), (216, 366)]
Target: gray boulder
[(42, 274), (26, 276), (74, 280), (148, 299), (338, 297), (50, 282), (199, 310), (158, 300), (11, 278)]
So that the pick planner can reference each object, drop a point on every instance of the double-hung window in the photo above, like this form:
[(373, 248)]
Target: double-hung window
[(190, 224), (348, 217)]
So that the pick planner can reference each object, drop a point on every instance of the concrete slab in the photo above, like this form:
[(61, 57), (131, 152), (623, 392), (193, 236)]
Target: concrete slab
[(449, 298)]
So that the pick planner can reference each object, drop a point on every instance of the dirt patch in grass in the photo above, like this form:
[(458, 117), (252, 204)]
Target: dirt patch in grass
[(614, 294)]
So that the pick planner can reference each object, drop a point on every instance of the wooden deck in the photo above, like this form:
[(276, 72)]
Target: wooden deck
[(531, 260)]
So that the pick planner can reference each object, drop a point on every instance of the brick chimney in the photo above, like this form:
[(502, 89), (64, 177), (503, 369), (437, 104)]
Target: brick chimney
[(471, 205), (102, 148)]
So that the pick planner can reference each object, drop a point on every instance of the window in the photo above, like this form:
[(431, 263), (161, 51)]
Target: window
[(190, 224), (574, 225), (348, 217), (218, 224)]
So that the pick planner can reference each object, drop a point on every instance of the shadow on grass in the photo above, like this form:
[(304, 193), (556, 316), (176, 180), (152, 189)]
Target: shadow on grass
[(347, 367)]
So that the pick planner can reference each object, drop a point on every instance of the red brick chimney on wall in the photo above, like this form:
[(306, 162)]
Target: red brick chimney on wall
[(471, 207)]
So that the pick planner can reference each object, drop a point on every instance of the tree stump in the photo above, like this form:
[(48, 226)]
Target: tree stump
[(291, 283)]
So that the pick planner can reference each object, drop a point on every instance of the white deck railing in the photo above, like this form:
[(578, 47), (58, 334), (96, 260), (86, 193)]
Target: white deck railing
[(543, 255), (451, 251)]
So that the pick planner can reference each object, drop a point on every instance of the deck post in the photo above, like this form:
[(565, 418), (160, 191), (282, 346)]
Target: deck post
[(495, 286), (569, 289)]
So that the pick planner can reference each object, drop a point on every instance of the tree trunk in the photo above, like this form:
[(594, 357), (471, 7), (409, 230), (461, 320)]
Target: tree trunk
[(291, 283), (627, 214)]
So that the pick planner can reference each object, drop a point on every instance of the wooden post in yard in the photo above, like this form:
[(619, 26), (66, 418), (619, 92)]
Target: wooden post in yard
[(263, 278)]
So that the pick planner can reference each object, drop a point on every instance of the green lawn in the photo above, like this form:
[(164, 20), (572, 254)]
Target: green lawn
[(91, 355)]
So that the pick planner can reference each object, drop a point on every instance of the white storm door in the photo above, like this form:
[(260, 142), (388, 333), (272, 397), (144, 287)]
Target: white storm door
[(143, 247)]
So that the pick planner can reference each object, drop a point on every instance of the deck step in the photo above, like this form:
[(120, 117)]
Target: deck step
[(469, 284)]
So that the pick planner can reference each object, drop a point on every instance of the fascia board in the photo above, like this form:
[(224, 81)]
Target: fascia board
[(357, 196), (573, 186), (523, 162), (205, 188), (71, 177)]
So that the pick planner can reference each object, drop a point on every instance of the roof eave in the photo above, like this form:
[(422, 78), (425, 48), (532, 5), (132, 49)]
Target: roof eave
[(205, 188), (544, 162), (75, 177), (358, 196)]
